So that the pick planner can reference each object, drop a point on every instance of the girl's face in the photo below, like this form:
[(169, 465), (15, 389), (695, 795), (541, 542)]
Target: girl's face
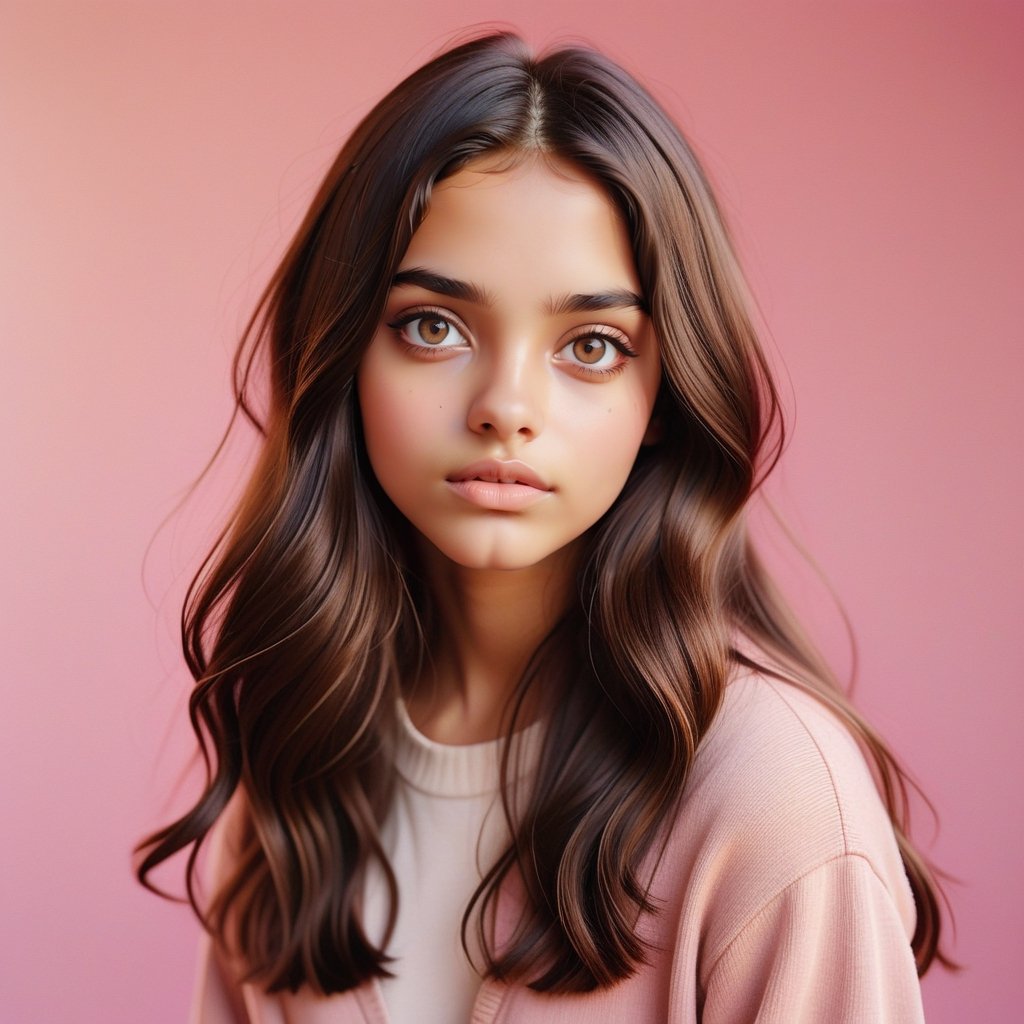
[(510, 384)]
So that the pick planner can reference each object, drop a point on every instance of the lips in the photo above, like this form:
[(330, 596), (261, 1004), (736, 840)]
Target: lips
[(500, 487), (496, 471)]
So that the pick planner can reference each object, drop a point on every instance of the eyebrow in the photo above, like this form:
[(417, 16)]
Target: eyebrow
[(613, 298)]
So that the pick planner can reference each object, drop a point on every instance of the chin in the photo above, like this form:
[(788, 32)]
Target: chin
[(471, 557), (505, 554)]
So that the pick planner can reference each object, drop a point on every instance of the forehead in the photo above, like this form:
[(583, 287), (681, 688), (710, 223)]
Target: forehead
[(538, 222)]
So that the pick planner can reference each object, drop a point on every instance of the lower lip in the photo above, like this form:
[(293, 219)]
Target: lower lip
[(498, 497)]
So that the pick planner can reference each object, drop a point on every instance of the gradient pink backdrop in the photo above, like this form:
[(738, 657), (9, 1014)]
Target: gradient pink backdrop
[(157, 157)]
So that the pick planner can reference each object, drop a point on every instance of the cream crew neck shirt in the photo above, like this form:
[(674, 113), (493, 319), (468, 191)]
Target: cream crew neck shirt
[(444, 830)]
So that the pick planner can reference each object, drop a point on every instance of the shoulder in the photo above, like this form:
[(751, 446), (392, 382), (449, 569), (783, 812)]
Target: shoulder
[(779, 790), (226, 840), (777, 757)]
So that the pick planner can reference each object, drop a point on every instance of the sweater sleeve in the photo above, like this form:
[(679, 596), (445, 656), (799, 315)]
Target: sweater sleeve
[(217, 998), (830, 947)]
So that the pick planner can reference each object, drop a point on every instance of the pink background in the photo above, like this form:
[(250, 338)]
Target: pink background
[(157, 157)]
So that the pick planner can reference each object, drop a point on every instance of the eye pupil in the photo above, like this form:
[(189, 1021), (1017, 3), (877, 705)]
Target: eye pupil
[(589, 350), (433, 330)]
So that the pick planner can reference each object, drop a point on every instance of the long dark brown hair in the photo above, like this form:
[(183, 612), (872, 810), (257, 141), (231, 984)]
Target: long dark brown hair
[(309, 611)]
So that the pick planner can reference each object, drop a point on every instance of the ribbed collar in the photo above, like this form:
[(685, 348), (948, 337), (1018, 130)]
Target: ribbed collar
[(474, 769)]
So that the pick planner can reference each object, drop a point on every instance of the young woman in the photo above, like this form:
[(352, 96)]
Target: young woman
[(503, 719)]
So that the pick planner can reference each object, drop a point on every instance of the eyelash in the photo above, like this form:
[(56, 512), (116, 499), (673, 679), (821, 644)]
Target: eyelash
[(424, 351), (615, 340), (427, 352)]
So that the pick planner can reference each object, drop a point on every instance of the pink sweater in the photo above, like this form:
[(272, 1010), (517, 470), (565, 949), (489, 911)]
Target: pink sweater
[(784, 900)]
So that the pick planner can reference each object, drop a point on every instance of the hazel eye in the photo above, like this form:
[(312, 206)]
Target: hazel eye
[(590, 350), (596, 352), (432, 330), (429, 330)]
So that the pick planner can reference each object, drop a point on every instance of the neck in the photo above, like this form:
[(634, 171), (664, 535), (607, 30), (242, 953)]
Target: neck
[(489, 624)]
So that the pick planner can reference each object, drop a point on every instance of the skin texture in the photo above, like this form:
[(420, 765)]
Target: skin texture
[(505, 374)]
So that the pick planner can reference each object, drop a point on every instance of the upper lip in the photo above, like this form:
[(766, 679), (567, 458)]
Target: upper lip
[(496, 471)]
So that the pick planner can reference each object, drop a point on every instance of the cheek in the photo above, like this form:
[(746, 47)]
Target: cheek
[(401, 422), (384, 414), (617, 453), (609, 433), (387, 421), (601, 447)]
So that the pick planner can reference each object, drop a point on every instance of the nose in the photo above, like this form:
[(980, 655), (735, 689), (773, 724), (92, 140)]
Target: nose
[(509, 400)]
